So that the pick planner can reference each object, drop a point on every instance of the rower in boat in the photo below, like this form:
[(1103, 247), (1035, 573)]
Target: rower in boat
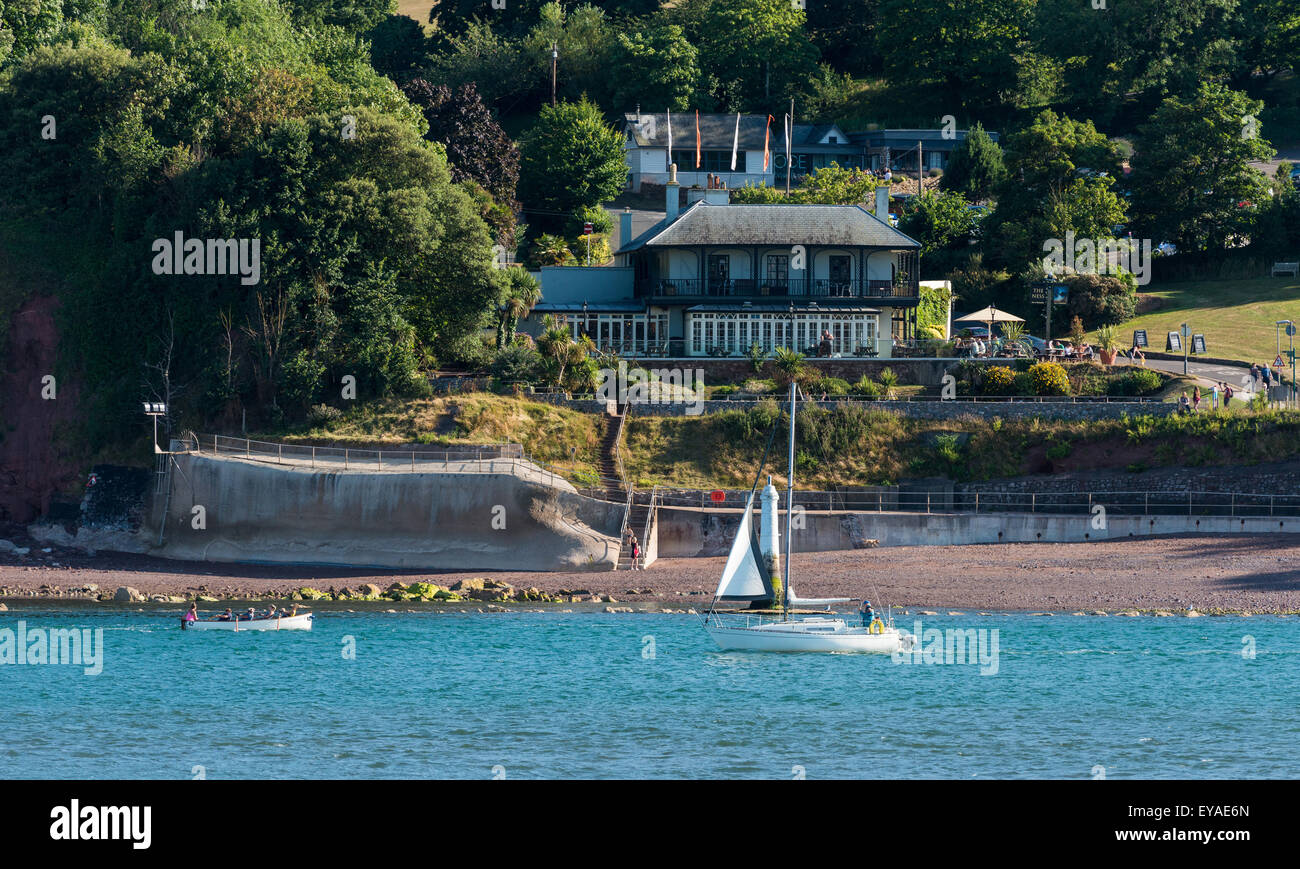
[(226, 616)]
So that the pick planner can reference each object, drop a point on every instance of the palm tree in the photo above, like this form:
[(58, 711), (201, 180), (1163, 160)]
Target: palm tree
[(789, 365), (555, 343), (522, 295)]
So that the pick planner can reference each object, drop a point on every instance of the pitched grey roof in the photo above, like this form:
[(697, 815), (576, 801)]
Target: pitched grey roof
[(717, 131), (837, 225)]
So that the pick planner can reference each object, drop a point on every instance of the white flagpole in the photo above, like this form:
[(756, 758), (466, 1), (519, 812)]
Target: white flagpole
[(735, 143), (669, 113), (787, 155)]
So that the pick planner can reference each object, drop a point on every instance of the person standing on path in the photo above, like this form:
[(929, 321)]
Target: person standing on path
[(1196, 397), (1227, 395), (1214, 397)]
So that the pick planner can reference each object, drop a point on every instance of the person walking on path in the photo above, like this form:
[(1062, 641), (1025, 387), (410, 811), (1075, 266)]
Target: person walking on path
[(1227, 395), (1196, 397), (1214, 397)]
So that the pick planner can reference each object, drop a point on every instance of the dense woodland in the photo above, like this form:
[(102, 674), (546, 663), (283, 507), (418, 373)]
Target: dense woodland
[(383, 162)]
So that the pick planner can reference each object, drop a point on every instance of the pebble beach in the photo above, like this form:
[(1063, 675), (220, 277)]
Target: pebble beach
[(1231, 574)]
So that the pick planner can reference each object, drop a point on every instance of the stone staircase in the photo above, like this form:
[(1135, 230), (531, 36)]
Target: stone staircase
[(610, 477)]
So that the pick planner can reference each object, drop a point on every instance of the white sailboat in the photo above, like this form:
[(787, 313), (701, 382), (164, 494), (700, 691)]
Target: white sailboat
[(746, 578)]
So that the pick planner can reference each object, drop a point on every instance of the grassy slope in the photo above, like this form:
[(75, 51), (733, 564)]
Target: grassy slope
[(847, 446), (549, 434), (1236, 316)]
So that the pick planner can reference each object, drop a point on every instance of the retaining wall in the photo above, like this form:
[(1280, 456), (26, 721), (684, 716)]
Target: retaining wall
[(689, 533), (429, 520)]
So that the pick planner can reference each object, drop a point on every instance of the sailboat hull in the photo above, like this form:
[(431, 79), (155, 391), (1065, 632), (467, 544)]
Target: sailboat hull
[(797, 638)]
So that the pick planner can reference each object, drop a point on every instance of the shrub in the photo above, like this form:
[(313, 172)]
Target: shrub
[(1023, 384), (998, 380), (323, 414), (1049, 378), (1146, 381), (866, 388), (758, 386), (831, 386), (517, 364), (888, 381)]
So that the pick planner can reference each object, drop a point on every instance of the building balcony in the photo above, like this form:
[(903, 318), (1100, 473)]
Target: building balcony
[(669, 290)]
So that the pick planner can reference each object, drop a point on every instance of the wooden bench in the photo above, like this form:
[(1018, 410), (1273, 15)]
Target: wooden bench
[(1280, 269)]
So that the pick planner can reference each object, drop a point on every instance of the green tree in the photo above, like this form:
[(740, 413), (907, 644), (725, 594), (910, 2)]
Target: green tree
[(571, 159), (966, 48), (943, 223), (1191, 172), (522, 293), (976, 168), (755, 52), (1045, 195), (656, 67)]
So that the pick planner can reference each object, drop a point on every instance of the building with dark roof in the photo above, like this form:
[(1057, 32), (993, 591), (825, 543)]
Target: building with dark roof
[(716, 278), (811, 147)]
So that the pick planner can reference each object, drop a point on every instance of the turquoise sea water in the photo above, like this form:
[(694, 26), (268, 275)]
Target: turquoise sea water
[(579, 695)]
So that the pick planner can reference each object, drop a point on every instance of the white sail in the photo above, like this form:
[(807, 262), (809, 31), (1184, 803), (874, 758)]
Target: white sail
[(745, 577)]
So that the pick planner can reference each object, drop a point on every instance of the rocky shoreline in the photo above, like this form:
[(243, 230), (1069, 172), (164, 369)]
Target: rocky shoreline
[(1207, 574)]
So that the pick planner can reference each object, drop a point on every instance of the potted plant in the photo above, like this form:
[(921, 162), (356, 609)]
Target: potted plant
[(1107, 344)]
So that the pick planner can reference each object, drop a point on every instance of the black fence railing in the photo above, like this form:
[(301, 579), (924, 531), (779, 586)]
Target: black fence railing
[(1092, 504), (796, 289)]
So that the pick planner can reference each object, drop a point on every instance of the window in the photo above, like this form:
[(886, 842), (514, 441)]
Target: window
[(778, 270), (719, 272), (710, 161)]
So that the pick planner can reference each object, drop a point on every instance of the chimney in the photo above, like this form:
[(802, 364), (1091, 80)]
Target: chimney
[(625, 227), (671, 202), (882, 203)]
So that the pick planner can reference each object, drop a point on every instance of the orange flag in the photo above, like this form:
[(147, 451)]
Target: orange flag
[(767, 137), (697, 138)]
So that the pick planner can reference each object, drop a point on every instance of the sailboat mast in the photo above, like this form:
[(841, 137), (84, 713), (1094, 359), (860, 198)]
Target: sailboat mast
[(789, 511)]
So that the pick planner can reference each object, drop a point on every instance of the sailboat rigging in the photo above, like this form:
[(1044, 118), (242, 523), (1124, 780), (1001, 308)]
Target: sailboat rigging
[(746, 577)]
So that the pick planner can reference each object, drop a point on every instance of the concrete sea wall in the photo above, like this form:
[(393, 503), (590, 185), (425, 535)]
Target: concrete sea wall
[(686, 532), (255, 511)]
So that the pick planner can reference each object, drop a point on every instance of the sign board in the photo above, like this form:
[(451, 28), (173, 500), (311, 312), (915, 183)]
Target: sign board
[(1198, 343), (1277, 363), (1038, 293), (1140, 338), (586, 229), (717, 496), (1173, 342), (1060, 292), (1290, 328)]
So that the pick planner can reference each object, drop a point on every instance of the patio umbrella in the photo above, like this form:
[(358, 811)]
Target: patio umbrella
[(990, 315)]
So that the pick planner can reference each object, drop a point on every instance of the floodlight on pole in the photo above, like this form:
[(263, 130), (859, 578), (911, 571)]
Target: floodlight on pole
[(155, 409)]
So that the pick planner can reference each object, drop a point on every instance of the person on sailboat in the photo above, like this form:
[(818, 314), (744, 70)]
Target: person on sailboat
[(191, 615), (868, 614)]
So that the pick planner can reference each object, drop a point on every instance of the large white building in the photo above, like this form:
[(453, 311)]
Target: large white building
[(716, 278)]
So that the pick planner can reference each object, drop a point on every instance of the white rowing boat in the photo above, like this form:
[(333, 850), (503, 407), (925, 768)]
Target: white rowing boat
[(300, 622)]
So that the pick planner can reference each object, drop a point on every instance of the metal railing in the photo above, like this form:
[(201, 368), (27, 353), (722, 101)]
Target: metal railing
[(883, 499), (774, 288)]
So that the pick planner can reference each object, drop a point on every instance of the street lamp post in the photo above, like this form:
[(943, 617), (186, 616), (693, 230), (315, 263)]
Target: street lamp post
[(1186, 333)]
